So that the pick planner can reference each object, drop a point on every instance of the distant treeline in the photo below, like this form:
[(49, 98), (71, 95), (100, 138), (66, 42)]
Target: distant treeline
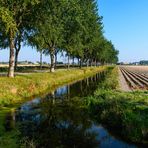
[(144, 62), (53, 26)]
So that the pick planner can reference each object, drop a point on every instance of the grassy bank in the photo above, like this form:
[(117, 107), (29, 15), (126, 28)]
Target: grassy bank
[(15, 90), (24, 87), (124, 112)]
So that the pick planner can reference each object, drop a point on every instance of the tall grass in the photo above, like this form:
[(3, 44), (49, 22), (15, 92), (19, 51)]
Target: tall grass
[(14, 90), (126, 112)]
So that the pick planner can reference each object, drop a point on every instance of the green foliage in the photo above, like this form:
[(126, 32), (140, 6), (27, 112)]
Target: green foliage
[(14, 14), (25, 86), (6, 19), (72, 26), (111, 80), (14, 19), (126, 112), (9, 140)]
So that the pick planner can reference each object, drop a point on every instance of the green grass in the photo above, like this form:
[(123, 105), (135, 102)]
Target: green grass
[(126, 112), (14, 90), (22, 88), (7, 139)]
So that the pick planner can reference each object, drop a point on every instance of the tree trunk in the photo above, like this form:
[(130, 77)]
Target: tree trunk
[(41, 63), (17, 49), (52, 66), (16, 59), (78, 61), (11, 58), (73, 61), (87, 63), (55, 59), (68, 62), (81, 63)]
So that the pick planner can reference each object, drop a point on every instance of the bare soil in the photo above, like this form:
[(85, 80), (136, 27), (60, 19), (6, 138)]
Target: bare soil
[(122, 83), (140, 69)]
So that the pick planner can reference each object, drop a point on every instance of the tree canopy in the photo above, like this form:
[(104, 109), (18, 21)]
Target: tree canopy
[(72, 26)]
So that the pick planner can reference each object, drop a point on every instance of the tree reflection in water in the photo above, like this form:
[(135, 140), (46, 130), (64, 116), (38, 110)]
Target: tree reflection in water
[(59, 123), (61, 119)]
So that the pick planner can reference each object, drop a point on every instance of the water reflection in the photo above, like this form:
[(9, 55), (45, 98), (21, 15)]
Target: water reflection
[(62, 120), (59, 123), (81, 88)]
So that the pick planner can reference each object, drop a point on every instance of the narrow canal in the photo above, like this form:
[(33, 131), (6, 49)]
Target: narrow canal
[(60, 120)]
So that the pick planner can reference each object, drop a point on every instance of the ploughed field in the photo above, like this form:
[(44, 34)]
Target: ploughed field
[(136, 76)]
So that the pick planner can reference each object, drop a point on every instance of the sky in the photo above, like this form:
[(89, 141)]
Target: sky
[(125, 24)]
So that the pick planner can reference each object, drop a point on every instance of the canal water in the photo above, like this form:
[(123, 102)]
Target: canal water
[(60, 120)]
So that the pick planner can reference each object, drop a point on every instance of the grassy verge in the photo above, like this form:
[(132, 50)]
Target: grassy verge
[(26, 86), (126, 112)]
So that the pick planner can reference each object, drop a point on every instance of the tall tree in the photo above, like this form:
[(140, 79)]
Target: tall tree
[(50, 28), (6, 20), (14, 14), (92, 30)]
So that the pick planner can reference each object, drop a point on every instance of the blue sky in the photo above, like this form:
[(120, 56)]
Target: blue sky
[(125, 24)]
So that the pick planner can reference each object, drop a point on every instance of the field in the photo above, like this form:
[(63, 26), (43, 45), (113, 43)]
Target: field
[(136, 76)]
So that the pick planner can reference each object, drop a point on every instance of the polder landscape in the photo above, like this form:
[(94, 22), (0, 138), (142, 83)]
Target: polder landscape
[(89, 101)]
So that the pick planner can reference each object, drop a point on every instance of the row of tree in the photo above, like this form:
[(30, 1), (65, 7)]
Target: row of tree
[(74, 27)]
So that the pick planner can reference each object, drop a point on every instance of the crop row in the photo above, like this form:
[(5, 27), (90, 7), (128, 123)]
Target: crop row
[(135, 80)]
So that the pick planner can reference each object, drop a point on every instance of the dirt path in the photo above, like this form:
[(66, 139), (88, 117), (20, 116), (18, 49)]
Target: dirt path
[(4, 74), (122, 83)]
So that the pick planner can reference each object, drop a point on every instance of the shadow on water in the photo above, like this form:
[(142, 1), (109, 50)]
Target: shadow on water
[(62, 120)]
